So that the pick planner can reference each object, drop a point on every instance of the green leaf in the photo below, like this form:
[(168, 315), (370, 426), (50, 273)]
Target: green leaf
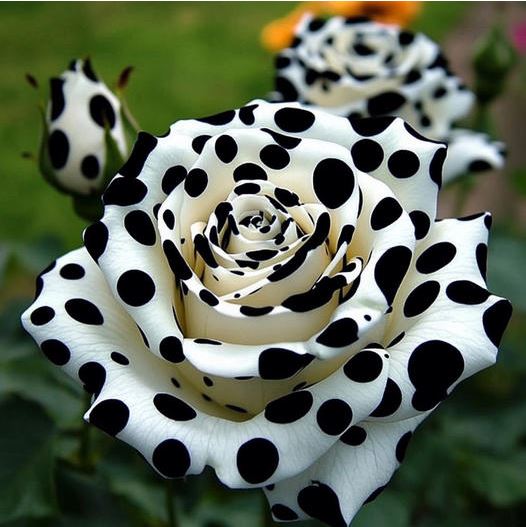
[(26, 461), (388, 509), (502, 481), (506, 264)]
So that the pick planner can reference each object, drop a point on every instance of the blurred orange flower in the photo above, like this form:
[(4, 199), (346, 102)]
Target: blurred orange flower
[(280, 33)]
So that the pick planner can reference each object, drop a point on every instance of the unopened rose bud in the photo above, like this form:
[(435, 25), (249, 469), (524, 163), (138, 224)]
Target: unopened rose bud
[(84, 141), (493, 61)]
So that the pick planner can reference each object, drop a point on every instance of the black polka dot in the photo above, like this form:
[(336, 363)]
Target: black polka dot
[(334, 416), (421, 298), (111, 416), (405, 38), (433, 367), (84, 311), (87, 68), (355, 436), (251, 311), (391, 269), (274, 156), (435, 167), (333, 182), (403, 164), (142, 147), (367, 155), (421, 223), (96, 239), (57, 97), (257, 460), (219, 118), (169, 218), (58, 149), (199, 142), (294, 119), (371, 126), (208, 381), (93, 377), (173, 177), (482, 257), (177, 263), (72, 271), (249, 171), (436, 257), (90, 167), (439, 92), (140, 227), (286, 141), (466, 292), (171, 458), (101, 111), (321, 502), (339, 333), (123, 191), (56, 351), (173, 407), (386, 212), (286, 89), (495, 320), (119, 358), (171, 349), (391, 400), (289, 408), (196, 182), (365, 366), (283, 513), (281, 62), (401, 446), (208, 298), (385, 103), (479, 165), (226, 148), (246, 114), (280, 363), (135, 287)]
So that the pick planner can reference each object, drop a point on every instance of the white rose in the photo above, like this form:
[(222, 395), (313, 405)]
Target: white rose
[(358, 68), (269, 293)]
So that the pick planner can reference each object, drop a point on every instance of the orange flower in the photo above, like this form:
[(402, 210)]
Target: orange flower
[(280, 33)]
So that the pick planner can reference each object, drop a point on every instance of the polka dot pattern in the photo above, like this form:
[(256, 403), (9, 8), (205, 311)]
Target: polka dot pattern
[(79, 100), (360, 68), (273, 274)]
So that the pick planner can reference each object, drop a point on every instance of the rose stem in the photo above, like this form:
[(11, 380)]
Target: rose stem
[(170, 504), (85, 440), (266, 517)]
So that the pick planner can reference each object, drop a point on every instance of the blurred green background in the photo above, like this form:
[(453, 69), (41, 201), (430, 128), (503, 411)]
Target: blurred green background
[(466, 466)]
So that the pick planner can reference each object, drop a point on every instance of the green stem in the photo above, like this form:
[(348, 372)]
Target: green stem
[(464, 187), (170, 504), (85, 457), (266, 516), (482, 118)]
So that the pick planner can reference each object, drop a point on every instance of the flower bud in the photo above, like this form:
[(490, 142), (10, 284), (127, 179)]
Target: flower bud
[(84, 140), (493, 61)]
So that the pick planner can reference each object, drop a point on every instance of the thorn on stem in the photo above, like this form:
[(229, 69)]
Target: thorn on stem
[(31, 80)]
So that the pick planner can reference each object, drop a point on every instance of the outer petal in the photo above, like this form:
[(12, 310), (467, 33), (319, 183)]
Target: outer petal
[(355, 470), (445, 325), (155, 406), (470, 151)]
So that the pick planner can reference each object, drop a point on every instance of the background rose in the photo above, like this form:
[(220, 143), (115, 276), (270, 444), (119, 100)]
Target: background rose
[(355, 67), (268, 293)]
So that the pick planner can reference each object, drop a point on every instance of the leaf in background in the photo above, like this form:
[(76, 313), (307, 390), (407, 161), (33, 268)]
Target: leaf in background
[(506, 265), (26, 461), (390, 508)]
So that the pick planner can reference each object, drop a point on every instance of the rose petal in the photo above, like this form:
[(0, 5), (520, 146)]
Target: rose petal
[(355, 470)]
